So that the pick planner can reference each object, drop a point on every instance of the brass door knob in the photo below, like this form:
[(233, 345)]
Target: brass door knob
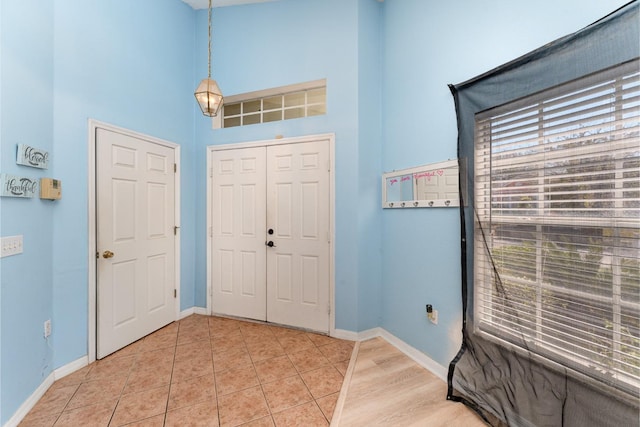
[(107, 254)]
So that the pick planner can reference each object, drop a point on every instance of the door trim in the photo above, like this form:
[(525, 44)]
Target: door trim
[(330, 138), (93, 125)]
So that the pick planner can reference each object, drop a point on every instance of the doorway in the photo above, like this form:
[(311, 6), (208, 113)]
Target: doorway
[(270, 218), (134, 236)]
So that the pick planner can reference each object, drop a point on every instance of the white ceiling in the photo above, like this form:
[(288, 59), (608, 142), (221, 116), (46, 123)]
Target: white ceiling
[(204, 4)]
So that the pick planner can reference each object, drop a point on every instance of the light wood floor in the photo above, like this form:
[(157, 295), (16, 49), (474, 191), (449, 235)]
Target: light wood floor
[(387, 388)]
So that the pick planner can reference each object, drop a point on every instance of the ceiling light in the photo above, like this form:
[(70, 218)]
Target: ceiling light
[(208, 94)]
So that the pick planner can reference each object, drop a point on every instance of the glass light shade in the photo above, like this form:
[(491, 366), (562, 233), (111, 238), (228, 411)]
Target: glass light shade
[(209, 97)]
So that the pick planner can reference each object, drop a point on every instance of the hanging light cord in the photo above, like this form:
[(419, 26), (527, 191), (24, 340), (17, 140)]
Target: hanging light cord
[(209, 38)]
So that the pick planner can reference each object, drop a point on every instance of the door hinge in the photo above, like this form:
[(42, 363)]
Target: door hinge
[(328, 165), (328, 237), (175, 167), (97, 255), (175, 293), (175, 230), (210, 231), (210, 172), (328, 308)]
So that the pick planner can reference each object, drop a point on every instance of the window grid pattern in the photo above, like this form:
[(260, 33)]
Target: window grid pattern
[(557, 231), (290, 105)]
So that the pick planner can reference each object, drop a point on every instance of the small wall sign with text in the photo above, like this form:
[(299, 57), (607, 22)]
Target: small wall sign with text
[(33, 157), (17, 186), (434, 185)]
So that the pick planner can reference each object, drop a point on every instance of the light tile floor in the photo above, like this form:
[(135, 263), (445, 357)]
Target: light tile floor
[(204, 371)]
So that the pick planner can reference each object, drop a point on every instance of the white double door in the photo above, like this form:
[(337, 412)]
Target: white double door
[(270, 234)]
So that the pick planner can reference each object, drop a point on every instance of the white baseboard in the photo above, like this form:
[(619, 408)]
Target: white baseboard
[(186, 313), (70, 368), (416, 355), (31, 401), (200, 310), (193, 310), (343, 334), (371, 333)]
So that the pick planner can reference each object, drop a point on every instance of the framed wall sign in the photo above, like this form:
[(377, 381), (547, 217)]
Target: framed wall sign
[(33, 157), (428, 186), (17, 186)]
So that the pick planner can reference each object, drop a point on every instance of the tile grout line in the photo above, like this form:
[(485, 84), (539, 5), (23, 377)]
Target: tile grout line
[(213, 365), (301, 379), (253, 364), (173, 365)]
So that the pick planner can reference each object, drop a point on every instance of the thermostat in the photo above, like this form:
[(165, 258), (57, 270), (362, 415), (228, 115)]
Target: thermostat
[(50, 189)]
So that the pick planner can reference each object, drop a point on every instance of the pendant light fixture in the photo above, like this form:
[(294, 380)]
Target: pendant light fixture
[(208, 94)]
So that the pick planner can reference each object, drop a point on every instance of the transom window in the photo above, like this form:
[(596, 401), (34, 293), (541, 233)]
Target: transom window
[(289, 102), (557, 230)]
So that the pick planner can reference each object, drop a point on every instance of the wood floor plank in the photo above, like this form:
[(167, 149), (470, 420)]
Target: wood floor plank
[(387, 388)]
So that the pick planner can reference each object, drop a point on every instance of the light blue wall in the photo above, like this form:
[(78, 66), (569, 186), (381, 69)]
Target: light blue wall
[(369, 213), (128, 63), (428, 44), (26, 107)]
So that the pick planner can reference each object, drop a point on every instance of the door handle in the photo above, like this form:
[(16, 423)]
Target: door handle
[(270, 244), (107, 254)]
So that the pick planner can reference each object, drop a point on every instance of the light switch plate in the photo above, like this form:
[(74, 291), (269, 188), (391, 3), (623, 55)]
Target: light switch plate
[(11, 245)]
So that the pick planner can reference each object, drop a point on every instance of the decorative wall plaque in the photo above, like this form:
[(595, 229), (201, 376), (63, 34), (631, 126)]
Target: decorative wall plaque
[(17, 186), (427, 186), (33, 157)]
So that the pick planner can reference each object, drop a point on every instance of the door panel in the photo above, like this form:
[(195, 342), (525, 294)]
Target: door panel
[(135, 219), (298, 211), (238, 230)]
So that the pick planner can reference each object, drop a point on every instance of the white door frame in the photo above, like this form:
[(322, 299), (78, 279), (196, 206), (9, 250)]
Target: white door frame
[(330, 138), (91, 211)]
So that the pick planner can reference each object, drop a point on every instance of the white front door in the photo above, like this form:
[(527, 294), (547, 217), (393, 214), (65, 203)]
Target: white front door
[(238, 227), (298, 221), (270, 234), (135, 239)]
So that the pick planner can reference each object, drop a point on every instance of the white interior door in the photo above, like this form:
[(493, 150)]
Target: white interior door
[(238, 227), (278, 194), (135, 239), (298, 216)]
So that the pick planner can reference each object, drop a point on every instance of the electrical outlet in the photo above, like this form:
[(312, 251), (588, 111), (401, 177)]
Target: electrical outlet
[(433, 316), (47, 328), (11, 245)]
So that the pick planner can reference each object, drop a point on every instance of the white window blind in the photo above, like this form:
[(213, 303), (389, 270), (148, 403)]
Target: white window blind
[(557, 230)]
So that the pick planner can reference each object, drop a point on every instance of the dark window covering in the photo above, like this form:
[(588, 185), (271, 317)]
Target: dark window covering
[(504, 386)]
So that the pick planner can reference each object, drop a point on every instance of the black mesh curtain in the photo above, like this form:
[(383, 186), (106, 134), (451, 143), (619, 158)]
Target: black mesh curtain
[(505, 386)]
